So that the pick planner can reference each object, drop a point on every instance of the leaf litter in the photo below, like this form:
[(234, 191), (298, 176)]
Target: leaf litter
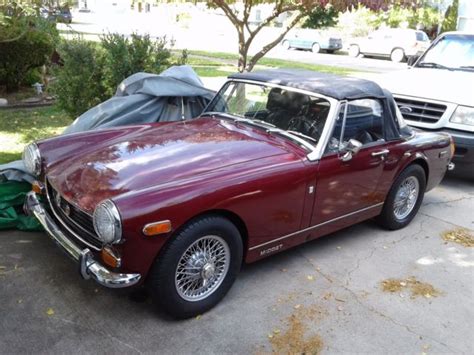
[(297, 338), (416, 287), (461, 236)]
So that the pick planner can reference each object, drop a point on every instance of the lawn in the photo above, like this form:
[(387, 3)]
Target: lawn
[(229, 60), (20, 127)]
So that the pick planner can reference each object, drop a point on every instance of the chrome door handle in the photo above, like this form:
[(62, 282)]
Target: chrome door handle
[(381, 152)]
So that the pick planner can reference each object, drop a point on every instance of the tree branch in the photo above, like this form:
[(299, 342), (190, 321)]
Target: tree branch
[(269, 46), (228, 12)]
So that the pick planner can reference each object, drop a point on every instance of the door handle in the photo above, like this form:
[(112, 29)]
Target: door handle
[(380, 152)]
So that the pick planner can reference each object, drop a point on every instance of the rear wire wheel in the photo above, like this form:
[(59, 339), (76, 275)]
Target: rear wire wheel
[(404, 199)]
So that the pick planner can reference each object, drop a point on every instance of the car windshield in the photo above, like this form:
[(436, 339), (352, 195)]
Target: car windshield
[(451, 52), (279, 110)]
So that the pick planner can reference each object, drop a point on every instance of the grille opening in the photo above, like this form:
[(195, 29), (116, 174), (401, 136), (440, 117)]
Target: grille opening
[(77, 221), (420, 111)]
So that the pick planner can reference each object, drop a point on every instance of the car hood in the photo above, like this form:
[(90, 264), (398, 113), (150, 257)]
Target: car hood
[(134, 158), (453, 86)]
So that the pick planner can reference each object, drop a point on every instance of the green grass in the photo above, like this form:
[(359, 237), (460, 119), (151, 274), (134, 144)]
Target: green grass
[(22, 126), (267, 63)]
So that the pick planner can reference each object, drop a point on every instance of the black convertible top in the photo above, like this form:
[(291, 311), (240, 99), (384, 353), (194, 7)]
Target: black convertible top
[(338, 87)]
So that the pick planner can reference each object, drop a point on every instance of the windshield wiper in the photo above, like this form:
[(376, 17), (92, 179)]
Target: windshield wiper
[(433, 65), (466, 67), (299, 134)]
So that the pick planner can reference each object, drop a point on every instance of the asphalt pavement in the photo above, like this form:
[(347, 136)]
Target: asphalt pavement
[(327, 294)]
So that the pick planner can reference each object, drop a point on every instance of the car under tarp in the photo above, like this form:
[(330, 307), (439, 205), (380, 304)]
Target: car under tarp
[(176, 94)]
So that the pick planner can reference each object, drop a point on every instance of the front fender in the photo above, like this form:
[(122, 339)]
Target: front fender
[(270, 189)]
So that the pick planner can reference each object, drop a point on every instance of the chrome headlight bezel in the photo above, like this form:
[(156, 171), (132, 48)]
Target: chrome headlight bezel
[(32, 159), (107, 222), (463, 115)]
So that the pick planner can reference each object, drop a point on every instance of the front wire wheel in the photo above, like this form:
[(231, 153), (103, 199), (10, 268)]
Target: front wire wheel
[(202, 268), (196, 267)]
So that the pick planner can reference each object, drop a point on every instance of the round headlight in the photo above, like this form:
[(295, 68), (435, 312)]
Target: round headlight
[(107, 222), (32, 159)]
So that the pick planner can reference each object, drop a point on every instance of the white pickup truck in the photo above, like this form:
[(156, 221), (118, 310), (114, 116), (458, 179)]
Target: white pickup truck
[(437, 93)]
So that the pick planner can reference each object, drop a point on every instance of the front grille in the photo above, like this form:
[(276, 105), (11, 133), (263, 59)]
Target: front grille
[(420, 111), (73, 219)]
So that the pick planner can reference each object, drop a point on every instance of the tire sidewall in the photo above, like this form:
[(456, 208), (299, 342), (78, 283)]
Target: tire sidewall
[(395, 57), (388, 214), (354, 51), (286, 44), (162, 281), (316, 48)]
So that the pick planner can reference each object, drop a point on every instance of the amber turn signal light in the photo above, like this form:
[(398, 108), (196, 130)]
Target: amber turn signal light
[(109, 258), (37, 187), (156, 228), (453, 147)]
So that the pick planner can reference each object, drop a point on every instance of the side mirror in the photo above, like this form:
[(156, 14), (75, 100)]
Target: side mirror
[(350, 149), (412, 59)]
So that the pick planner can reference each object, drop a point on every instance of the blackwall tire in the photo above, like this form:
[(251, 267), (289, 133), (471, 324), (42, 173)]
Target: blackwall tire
[(197, 267), (404, 199)]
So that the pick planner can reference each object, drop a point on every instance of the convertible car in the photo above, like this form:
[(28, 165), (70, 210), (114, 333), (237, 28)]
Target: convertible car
[(278, 158)]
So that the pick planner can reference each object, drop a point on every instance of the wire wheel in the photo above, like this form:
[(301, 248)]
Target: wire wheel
[(406, 197), (202, 268)]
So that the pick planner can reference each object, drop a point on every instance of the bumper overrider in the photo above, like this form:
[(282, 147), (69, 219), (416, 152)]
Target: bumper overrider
[(88, 266)]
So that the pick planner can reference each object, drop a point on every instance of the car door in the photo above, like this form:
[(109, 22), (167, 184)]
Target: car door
[(347, 183)]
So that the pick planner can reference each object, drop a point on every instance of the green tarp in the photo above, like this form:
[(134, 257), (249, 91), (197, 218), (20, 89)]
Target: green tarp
[(12, 197)]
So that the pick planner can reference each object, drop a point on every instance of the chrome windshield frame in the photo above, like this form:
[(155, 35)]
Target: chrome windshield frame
[(316, 151)]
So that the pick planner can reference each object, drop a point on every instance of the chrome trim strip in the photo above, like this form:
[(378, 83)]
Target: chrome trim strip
[(315, 226), (88, 266), (64, 224)]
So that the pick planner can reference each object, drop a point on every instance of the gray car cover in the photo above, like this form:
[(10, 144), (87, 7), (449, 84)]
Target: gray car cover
[(177, 93)]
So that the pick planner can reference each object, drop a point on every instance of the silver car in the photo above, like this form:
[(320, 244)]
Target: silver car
[(395, 43)]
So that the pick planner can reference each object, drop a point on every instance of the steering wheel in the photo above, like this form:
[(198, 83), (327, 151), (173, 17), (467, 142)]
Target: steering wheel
[(303, 125)]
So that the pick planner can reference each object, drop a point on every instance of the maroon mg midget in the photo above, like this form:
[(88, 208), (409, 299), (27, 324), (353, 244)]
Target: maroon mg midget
[(278, 158)]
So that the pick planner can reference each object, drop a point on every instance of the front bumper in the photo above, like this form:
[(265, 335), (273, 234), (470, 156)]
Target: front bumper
[(88, 266)]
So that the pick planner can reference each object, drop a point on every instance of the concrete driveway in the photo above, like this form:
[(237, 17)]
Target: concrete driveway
[(324, 295)]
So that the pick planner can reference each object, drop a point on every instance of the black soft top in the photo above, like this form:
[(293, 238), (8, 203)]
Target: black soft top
[(338, 87)]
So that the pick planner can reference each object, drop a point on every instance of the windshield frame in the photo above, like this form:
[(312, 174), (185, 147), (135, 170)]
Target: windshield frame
[(315, 151), (419, 62)]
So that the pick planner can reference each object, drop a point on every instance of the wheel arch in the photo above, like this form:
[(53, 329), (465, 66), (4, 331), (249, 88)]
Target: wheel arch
[(233, 217), (420, 160)]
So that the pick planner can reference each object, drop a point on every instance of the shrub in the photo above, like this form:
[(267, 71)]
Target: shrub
[(79, 81), (124, 57), (26, 42), (91, 72)]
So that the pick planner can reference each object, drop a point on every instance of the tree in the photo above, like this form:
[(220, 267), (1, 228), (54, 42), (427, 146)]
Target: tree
[(238, 12), (321, 17), (451, 17)]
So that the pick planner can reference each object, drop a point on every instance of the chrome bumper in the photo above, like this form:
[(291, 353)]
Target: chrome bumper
[(88, 266)]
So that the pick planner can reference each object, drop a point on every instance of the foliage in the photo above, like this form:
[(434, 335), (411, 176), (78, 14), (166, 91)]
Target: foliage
[(27, 41), (356, 23), (451, 17), (79, 81), (91, 72), (124, 57), (359, 21), (397, 16), (321, 17)]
